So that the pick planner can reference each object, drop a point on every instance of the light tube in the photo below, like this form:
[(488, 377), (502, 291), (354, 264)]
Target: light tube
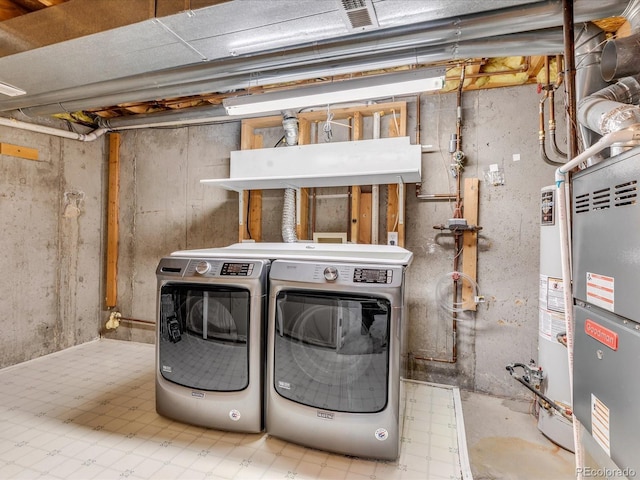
[(10, 90), (364, 88)]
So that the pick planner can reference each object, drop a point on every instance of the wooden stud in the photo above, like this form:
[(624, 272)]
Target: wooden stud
[(113, 207), (302, 227), (392, 209), (18, 151), (470, 241), (357, 127), (355, 213), (364, 218), (397, 128), (9, 9)]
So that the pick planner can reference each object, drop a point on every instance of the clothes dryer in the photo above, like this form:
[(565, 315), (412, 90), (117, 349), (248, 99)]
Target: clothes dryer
[(210, 345), (336, 351)]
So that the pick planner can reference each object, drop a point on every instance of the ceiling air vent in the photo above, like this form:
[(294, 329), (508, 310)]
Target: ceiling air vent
[(359, 14), (626, 193)]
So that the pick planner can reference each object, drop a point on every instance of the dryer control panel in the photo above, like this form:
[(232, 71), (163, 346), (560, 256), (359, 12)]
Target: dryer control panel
[(356, 275), (372, 275)]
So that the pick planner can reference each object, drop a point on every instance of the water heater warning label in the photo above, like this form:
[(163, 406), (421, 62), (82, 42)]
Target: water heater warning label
[(600, 290)]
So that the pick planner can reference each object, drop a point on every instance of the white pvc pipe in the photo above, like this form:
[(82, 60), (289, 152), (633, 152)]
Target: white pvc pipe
[(621, 136), (565, 257), (32, 127)]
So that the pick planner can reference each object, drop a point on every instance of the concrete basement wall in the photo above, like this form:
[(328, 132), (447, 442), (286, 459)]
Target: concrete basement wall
[(165, 208), (51, 254), (53, 294)]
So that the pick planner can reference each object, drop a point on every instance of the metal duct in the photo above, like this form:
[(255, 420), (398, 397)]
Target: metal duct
[(163, 79), (620, 56), (221, 78), (612, 109), (290, 125), (589, 41)]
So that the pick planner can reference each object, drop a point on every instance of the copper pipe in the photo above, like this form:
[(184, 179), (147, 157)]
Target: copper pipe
[(418, 119), (552, 106), (570, 76), (457, 235), (136, 320), (433, 359), (541, 126)]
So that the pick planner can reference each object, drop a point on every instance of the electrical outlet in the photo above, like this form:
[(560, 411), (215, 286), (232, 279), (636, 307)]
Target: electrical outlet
[(392, 238)]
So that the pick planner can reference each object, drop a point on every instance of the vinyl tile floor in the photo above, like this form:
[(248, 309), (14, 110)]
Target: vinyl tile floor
[(88, 412)]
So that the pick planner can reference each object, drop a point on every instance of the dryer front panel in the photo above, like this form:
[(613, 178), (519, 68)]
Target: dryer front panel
[(203, 337), (331, 350)]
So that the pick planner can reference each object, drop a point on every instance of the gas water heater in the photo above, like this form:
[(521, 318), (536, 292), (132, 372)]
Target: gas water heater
[(552, 350)]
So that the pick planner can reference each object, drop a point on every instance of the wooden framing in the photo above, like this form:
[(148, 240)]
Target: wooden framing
[(18, 151), (113, 207), (250, 224), (470, 241)]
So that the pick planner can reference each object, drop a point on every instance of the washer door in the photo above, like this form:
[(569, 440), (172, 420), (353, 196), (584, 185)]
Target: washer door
[(331, 350), (202, 341)]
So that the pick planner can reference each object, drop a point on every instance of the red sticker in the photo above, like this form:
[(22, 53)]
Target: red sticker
[(603, 335)]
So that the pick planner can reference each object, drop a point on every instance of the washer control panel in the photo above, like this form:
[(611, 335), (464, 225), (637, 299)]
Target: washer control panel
[(210, 268)]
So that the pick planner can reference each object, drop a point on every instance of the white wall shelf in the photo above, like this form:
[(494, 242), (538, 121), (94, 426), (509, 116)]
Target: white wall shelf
[(363, 162)]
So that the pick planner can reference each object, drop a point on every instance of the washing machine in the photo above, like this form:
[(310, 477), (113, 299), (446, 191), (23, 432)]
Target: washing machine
[(210, 345), (336, 349)]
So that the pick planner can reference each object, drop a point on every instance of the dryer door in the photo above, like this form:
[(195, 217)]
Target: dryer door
[(203, 336), (331, 350)]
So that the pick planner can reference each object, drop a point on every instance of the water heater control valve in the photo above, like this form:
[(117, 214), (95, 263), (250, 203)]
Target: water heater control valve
[(331, 274)]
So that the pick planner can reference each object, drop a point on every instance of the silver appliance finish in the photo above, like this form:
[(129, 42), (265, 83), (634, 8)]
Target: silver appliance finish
[(211, 375), (606, 275), (333, 371), (607, 385), (552, 355), (606, 215)]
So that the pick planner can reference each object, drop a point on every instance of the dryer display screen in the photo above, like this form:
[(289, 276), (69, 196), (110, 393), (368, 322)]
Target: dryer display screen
[(237, 269), (371, 275)]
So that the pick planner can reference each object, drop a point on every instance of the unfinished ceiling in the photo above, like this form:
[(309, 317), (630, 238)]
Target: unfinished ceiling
[(88, 60)]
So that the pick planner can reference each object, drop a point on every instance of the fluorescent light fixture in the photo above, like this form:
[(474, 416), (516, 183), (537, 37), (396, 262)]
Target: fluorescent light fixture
[(10, 90), (364, 88)]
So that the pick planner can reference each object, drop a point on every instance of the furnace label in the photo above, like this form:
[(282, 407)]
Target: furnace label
[(600, 423), (600, 291)]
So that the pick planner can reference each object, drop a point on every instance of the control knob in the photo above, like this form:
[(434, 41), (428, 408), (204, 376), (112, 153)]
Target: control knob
[(331, 274), (203, 267)]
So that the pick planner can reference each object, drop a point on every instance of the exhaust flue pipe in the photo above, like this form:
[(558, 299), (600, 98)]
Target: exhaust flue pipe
[(620, 57), (613, 108)]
